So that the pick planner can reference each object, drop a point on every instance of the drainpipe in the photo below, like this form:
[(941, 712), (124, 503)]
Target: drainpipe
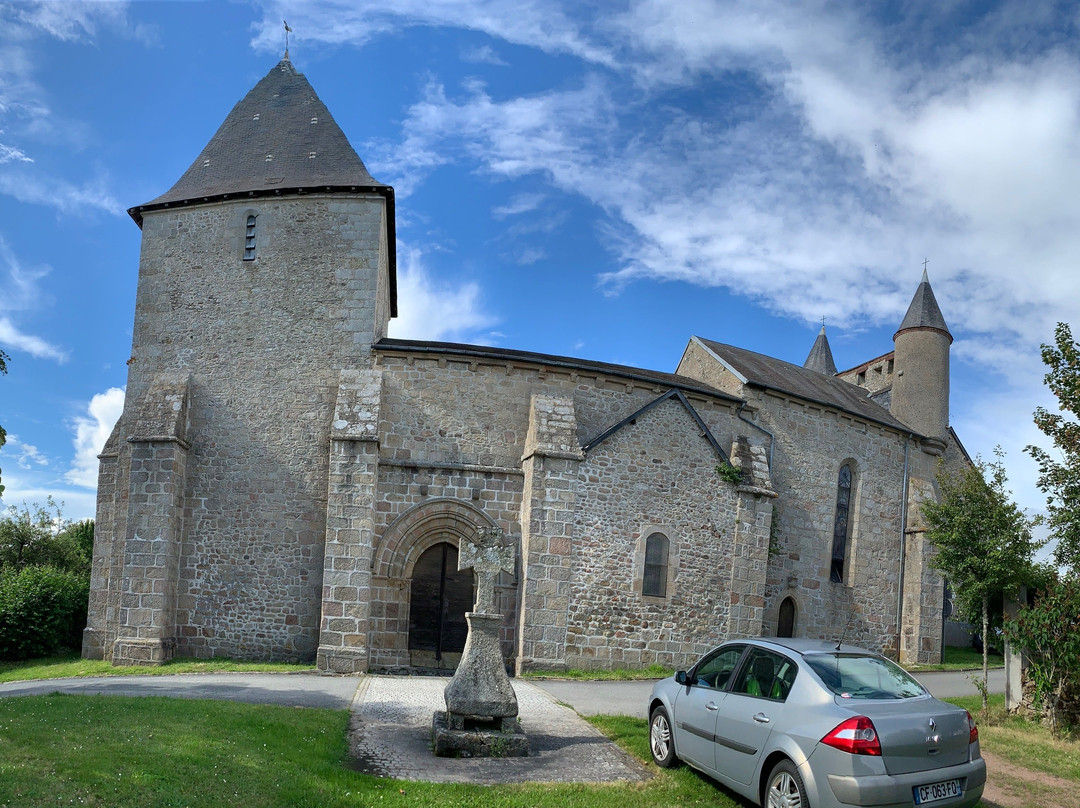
[(903, 541), (772, 438)]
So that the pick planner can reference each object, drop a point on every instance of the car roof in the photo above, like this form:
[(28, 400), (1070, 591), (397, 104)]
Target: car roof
[(805, 646)]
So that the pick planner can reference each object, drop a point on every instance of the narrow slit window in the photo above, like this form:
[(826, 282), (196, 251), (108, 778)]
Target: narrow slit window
[(841, 525), (654, 581), (249, 240)]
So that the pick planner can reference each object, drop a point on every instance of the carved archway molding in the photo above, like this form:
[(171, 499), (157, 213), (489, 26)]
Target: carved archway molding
[(421, 527)]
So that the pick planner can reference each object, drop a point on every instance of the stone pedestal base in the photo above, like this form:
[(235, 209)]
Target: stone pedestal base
[(480, 686), (500, 737), (348, 661), (93, 644), (143, 652)]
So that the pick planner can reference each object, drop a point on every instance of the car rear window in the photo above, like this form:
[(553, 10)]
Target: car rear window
[(854, 676)]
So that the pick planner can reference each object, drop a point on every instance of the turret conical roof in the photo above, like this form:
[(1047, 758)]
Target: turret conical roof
[(924, 311), (280, 138), (821, 358)]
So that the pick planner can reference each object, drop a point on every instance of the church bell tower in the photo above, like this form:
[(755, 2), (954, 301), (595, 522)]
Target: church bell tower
[(265, 272)]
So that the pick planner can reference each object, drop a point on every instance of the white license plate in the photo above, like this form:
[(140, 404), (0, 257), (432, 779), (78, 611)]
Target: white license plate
[(937, 791)]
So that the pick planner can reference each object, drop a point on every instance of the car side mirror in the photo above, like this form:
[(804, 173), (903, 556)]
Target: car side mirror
[(681, 678)]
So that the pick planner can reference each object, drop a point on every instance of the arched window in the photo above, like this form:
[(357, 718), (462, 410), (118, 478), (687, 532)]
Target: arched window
[(841, 525), (654, 582), (785, 620), (249, 239)]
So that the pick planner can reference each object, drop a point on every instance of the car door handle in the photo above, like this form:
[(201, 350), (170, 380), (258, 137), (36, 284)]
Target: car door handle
[(761, 718), (713, 706)]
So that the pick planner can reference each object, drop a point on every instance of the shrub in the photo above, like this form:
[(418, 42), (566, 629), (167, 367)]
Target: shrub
[(42, 611), (1048, 632)]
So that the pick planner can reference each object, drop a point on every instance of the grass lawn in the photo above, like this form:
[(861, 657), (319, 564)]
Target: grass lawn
[(114, 751), (616, 675), (1022, 742), (145, 752), (960, 659), (62, 667)]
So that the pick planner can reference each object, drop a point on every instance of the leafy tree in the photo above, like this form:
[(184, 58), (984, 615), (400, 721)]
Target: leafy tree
[(983, 540), (1060, 480), (40, 537), (1048, 633), (3, 435)]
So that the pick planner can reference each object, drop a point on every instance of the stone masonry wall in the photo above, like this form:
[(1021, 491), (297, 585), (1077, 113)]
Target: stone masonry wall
[(812, 443), (458, 428)]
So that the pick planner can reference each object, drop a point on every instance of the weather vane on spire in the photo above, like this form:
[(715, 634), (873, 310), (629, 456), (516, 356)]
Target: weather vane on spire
[(288, 31)]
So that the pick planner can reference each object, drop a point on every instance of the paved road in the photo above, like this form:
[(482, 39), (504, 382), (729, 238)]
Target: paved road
[(631, 698), (336, 692)]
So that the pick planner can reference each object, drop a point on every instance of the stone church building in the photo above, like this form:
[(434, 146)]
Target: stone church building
[(288, 483)]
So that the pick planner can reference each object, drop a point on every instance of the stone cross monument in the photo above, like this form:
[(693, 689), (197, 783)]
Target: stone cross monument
[(481, 706)]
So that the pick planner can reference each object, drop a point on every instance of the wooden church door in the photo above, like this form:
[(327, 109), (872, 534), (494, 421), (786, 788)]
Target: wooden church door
[(441, 594), (785, 623)]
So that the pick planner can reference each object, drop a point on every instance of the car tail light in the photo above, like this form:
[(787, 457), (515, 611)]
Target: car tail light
[(856, 736), (973, 730)]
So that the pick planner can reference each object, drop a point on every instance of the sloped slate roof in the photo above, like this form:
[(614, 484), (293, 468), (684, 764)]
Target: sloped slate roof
[(924, 311), (280, 137), (821, 358), (670, 380), (775, 374)]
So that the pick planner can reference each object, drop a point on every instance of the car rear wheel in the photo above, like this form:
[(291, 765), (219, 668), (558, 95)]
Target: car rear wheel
[(661, 744), (786, 789)]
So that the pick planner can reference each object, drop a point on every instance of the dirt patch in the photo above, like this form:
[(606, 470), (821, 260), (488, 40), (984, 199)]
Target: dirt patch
[(1012, 786)]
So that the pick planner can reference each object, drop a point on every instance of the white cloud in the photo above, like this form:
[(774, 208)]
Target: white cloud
[(70, 20), (60, 194), (91, 432), (26, 455), (821, 197), (25, 114), (436, 311), (521, 203), (22, 292), (484, 54), (35, 346), (9, 154), (536, 23)]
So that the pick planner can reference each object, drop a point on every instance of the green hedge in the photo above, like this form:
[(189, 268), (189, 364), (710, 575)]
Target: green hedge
[(42, 611)]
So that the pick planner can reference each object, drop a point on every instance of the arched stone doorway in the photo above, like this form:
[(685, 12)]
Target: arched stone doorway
[(440, 596), (785, 619)]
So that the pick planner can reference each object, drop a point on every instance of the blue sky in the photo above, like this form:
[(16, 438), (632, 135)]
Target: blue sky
[(602, 180)]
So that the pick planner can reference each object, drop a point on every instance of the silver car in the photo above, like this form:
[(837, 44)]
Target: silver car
[(792, 723)]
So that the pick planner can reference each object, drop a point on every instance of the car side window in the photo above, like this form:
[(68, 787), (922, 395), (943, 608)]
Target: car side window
[(766, 675), (715, 670)]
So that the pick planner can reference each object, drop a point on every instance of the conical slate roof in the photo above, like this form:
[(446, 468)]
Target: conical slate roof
[(924, 311), (821, 358), (280, 138)]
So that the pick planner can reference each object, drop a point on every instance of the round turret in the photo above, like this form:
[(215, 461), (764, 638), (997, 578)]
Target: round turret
[(920, 393)]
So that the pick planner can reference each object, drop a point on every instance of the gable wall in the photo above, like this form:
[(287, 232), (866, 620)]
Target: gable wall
[(812, 442), (656, 475)]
